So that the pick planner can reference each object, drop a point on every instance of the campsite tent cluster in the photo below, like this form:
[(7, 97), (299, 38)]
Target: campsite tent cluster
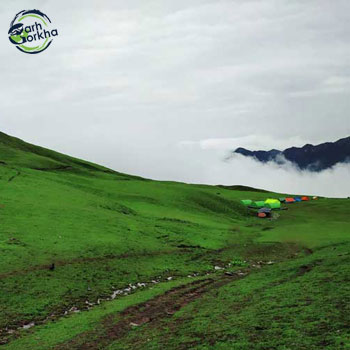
[(265, 207)]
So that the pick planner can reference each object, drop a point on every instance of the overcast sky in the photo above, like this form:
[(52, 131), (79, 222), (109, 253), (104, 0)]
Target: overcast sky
[(164, 88)]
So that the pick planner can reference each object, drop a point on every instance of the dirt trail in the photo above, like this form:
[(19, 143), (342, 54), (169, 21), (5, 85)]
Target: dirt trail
[(115, 327)]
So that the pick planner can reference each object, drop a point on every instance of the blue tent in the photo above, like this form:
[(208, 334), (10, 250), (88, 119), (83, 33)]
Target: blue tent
[(297, 199)]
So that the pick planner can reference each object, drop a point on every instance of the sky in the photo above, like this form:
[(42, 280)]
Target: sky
[(165, 89)]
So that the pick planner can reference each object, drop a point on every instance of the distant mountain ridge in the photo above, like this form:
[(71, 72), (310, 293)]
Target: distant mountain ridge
[(309, 157)]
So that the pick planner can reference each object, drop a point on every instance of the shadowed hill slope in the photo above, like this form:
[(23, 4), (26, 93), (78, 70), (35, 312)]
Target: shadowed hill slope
[(16, 152)]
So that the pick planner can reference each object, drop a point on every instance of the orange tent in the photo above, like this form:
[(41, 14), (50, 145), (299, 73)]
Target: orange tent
[(305, 198), (290, 200), (262, 215)]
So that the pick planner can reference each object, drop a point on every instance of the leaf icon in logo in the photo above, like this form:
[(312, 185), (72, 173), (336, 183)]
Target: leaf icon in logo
[(17, 34)]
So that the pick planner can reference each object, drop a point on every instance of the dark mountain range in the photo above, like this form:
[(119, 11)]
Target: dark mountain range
[(309, 157)]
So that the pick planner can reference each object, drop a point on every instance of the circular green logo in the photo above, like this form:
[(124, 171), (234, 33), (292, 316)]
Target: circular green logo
[(31, 31)]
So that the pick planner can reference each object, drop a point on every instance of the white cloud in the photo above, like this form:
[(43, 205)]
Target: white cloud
[(208, 167), (253, 142)]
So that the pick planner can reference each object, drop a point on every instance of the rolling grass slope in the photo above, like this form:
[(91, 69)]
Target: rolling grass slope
[(274, 284)]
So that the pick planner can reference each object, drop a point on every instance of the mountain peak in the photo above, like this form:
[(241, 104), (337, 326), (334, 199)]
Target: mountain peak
[(309, 157)]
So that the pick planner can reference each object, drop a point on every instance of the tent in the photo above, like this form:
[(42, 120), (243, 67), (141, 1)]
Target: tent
[(297, 199), (262, 215), (271, 200), (290, 200), (259, 204), (246, 202), (273, 203), (314, 198), (305, 198), (282, 200)]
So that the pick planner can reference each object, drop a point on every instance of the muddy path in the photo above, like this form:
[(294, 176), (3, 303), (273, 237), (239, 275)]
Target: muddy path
[(214, 276), (152, 312)]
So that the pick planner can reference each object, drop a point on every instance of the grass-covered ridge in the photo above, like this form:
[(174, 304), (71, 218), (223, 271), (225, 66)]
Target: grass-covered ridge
[(104, 230)]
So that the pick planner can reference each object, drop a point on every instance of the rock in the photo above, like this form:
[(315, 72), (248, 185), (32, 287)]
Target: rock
[(140, 322), (29, 325)]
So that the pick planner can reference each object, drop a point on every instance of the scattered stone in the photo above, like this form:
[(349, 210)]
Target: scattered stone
[(140, 322), (115, 293), (29, 325)]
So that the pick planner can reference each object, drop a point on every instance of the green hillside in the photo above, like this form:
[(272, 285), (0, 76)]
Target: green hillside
[(95, 259)]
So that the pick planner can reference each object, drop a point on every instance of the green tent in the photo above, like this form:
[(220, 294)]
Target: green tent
[(259, 204), (246, 202), (283, 199), (275, 205)]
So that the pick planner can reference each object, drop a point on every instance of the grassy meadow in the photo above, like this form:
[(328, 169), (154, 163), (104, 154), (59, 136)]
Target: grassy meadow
[(202, 271)]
